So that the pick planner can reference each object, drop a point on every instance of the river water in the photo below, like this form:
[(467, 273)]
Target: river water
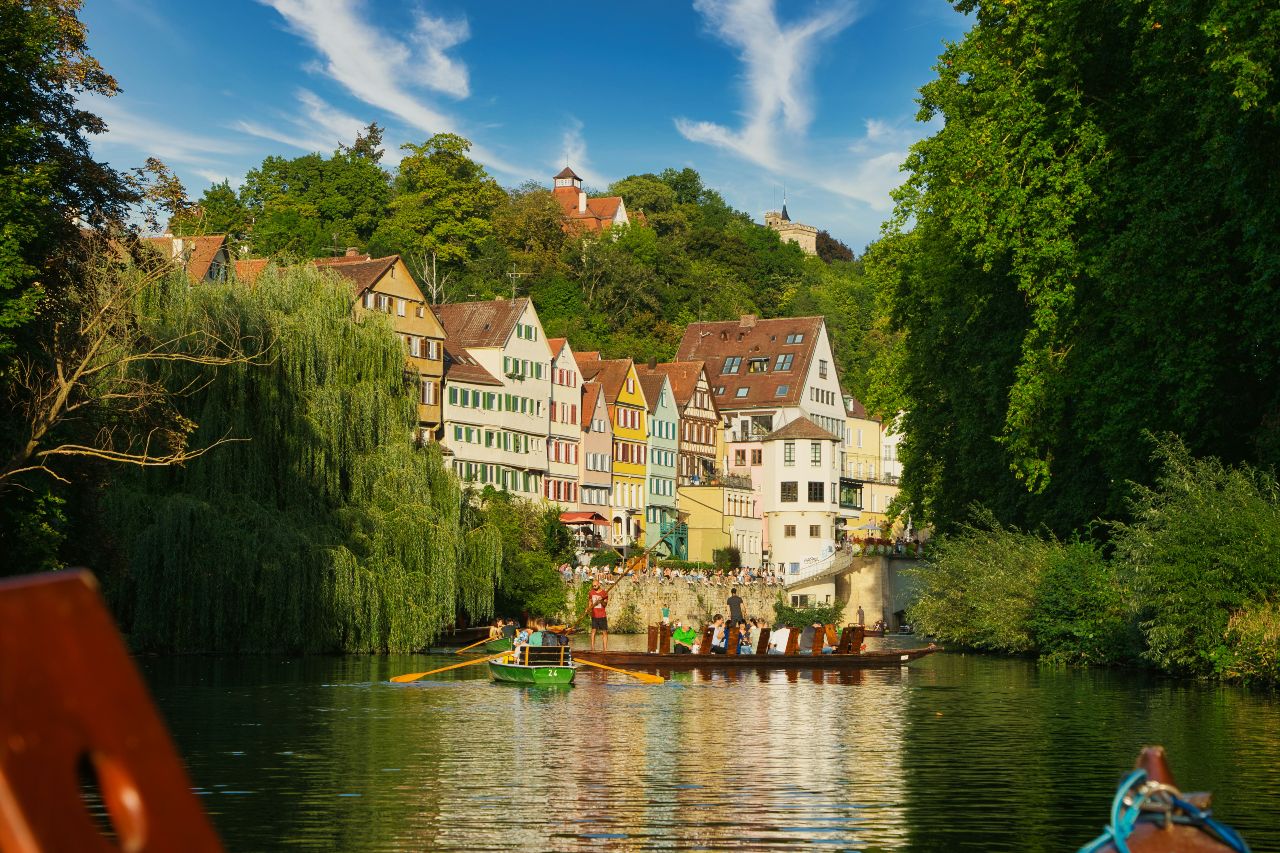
[(953, 753)]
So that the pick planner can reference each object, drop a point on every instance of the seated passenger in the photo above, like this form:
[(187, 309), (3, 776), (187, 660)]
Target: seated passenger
[(753, 635), (719, 636), (683, 639), (806, 639), (778, 640)]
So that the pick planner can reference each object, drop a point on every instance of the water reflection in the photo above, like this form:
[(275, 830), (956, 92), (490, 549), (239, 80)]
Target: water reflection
[(953, 752)]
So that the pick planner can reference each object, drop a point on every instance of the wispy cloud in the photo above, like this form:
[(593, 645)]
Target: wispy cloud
[(126, 128), (573, 152), (777, 60), (384, 71), (433, 36), (318, 127)]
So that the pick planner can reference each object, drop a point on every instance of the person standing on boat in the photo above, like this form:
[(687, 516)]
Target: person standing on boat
[(735, 607), (861, 616), (599, 603)]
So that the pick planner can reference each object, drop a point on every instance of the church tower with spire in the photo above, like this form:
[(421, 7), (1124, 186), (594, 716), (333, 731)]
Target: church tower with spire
[(804, 236)]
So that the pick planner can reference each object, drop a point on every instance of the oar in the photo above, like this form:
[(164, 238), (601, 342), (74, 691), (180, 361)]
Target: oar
[(414, 676), (643, 676), (473, 645)]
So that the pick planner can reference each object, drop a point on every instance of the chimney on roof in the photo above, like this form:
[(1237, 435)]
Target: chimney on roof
[(748, 321), (352, 251), (653, 363)]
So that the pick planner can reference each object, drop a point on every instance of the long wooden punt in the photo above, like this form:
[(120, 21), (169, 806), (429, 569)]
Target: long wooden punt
[(660, 661)]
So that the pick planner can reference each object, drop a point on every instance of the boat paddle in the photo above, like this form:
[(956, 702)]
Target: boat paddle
[(642, 676), (473, 645), (414, 676)]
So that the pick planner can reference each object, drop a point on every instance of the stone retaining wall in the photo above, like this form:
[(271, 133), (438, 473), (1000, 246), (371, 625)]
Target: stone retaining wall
[(640, 602)]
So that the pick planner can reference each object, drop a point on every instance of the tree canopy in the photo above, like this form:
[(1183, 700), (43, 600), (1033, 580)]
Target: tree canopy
[(1081, 253)]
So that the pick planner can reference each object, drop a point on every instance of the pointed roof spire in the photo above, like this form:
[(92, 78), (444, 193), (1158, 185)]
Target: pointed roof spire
[(786, 217)]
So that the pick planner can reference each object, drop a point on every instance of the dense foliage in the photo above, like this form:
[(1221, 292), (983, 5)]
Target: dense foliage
[(1084, 251), (322, 528), (1190, 586)]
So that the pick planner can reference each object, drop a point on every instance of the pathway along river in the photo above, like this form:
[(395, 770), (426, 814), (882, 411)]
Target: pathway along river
[(956, 752)]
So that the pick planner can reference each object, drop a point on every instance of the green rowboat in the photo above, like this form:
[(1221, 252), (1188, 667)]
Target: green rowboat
[(535, 666), (502, 644)]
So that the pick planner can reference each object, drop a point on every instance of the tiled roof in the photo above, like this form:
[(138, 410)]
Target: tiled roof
[(589, 363), (566, 172), (591, 393), (556, 345), (801, 427), (203, 251), (604, 207), (652, 385), (461, 366), (748, 338), (341, 259), (481, 324), (611, 376), (248, 269), (683, 375), (360, 272), (855, 409)]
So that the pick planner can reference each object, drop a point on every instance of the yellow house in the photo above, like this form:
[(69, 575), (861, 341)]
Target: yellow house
[(628, 410), (384, 285), (862, 466)]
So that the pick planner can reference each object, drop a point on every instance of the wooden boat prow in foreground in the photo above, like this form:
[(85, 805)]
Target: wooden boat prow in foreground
[(1150, 815)]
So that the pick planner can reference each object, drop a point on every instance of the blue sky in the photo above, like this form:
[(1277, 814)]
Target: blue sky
[(814, 95)]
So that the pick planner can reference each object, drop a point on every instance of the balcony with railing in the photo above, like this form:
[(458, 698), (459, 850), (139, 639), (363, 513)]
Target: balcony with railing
[(718, 478)]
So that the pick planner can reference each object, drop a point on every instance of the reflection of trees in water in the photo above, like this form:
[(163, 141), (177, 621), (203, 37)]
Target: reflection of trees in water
[(1043, 749)]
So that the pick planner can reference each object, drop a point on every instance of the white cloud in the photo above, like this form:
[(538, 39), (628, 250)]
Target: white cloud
[(573, 153), (434, 36), (126, 128), (777, 61), (383, 71)]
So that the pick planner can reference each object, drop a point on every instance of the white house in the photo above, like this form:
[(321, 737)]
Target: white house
[(497, 434), (800, 489)]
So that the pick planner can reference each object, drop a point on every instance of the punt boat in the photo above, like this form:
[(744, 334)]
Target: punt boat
[(535, 665), (828, 649)]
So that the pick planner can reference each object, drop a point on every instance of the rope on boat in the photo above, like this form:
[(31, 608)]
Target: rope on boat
[(1140, 800)]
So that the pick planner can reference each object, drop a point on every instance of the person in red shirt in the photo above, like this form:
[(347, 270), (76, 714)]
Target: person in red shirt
[(599, 602)]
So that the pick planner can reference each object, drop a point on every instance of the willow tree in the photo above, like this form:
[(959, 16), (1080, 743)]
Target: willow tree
[(327, 529)]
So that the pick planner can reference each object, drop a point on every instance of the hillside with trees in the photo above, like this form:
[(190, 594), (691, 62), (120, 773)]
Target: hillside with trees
[(464, 237)]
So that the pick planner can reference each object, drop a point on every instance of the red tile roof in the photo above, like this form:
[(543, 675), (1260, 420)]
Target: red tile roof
[(480, 324), (248, 269), (200, 252), (461, 366), (364, 273), (652, 385), (611, 374), (556, 345), (683, 375), (748, 338), (855, 409), (591, 393), (801, 427)]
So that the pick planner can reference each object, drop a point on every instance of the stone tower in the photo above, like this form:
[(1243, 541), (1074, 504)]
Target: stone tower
[(804, 236)]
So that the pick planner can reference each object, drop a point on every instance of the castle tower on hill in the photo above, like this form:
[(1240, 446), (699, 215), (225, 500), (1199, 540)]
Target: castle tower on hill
[(804, 236)]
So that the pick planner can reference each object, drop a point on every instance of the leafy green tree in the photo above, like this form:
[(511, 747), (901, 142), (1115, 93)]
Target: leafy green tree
[(48, 176), (1085, 262), (444, 202), (315, 206), (219, 211), (830, 249)]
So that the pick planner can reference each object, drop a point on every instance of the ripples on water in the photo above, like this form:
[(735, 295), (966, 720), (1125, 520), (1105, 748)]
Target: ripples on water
[(953, 753)]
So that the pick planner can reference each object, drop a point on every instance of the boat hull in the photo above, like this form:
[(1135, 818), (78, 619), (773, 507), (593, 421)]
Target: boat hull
[(502, 644), (866, 660), (537, 675)]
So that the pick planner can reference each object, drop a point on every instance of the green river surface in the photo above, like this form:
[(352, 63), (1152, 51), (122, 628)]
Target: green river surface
[(953, 753)]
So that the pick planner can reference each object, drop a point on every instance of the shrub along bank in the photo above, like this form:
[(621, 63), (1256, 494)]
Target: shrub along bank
[(1190, 586)]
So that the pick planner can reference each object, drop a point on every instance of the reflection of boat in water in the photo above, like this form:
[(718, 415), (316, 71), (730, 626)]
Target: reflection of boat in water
[(1150, 815), (659, 660), (535, 665)]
